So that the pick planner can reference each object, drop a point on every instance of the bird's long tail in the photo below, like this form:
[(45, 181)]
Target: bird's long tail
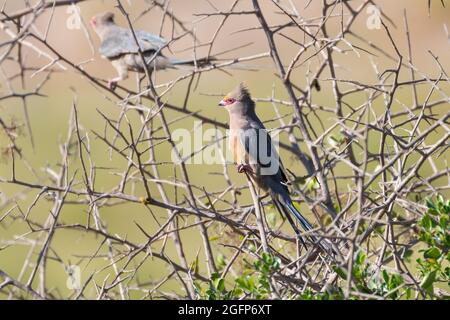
[(199, 62), (288, 209), (204, 62)]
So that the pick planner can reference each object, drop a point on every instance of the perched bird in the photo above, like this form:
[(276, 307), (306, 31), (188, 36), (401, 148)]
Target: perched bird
[(255, 154), (119, 46)]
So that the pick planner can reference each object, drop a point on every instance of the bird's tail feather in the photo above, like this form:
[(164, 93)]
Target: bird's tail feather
[(288, 207), (302, 220), (204, 62), (199, 62)]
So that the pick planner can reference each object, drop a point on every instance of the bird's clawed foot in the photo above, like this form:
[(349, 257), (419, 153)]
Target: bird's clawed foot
[(241, 168), (112, 85)]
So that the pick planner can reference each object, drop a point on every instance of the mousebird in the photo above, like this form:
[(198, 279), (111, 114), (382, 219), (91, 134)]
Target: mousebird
[(255, 155), (119, 46)]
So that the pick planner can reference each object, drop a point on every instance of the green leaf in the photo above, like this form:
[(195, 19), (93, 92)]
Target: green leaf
[(337, 207), (238, 292), (312, 185), (385, 276), (251, 283), (341, 272), (242, 282), (429, 203), (426, 222), (408, 293), (360, 257), (219, 284), (428, 280), (194, 265), (221, 261), (432, 253), (440, 200), (407, 254)]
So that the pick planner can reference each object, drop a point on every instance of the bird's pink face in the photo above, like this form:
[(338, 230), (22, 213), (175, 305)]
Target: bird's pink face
[(100, 20), (94, 22), (227, 101)]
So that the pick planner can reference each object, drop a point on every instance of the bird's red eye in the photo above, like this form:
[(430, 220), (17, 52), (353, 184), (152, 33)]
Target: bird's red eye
[(230, 100)]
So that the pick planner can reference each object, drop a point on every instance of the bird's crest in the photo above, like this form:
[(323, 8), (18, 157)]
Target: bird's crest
[(108, 16), (239, 93)]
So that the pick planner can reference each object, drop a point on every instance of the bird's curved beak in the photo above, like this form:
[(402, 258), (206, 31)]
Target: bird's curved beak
[(222, 103)]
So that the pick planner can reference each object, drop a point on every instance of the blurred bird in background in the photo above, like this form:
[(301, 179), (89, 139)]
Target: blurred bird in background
[(119, 46), (255, 154)]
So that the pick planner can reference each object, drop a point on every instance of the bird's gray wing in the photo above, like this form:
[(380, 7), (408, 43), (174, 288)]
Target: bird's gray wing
[(258, 145), (120, 41)]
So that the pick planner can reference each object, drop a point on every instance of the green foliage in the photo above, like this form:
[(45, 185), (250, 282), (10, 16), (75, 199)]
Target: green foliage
[(253, 284), (435, 233), (433, 267), (312, 184), (369, 281), (332, 294), (433, 264)]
